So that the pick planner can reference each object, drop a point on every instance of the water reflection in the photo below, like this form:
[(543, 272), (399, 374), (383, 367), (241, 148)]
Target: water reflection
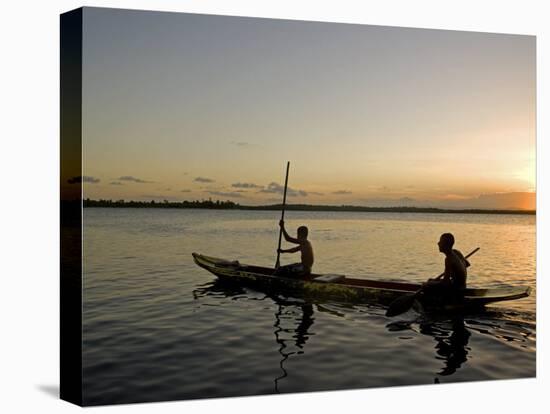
[(451, 337), (293, 322), (452, 343), (294, 317), (300, 332)]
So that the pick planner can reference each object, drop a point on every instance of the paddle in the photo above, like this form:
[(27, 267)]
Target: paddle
[(405, 302), (277, 264)]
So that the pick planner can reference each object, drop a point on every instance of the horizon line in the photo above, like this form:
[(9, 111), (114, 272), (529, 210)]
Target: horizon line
[(228, 204)]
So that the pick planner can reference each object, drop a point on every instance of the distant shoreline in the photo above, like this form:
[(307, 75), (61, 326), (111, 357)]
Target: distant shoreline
[(229, 205)]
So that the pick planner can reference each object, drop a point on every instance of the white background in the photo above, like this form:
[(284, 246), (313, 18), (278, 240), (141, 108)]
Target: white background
[(29, 167)]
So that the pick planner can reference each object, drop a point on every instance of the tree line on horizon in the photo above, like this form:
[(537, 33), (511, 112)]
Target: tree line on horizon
[(230, 205), (162, 204)]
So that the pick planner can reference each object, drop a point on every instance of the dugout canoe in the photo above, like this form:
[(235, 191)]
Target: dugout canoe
[(343, 288)]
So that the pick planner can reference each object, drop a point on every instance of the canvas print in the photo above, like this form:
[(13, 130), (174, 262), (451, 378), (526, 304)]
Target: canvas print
[(259, 206)]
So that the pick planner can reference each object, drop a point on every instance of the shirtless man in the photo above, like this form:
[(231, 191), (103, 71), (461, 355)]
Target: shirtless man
[(304, 246), (453, 280)]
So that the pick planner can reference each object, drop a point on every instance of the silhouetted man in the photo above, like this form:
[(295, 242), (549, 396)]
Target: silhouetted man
[(304, 247), (453, 280)]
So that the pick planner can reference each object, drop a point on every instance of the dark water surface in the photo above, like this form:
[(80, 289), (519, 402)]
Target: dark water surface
[(157, 327)]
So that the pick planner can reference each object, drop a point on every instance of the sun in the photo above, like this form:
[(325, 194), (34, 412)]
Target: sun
[(527, 174)]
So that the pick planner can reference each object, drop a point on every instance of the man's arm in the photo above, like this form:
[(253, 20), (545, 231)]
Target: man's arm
[(287, 237), (292, 250), (446, 275)]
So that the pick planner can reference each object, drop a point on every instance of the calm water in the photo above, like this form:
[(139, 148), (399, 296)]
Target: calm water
[(157, 327)]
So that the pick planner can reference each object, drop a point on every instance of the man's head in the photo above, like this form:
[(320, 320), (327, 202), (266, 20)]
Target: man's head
[(446, 242), (302, 233)]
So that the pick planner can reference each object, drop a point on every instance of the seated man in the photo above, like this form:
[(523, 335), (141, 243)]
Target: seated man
[(304, 246), (453, 281)]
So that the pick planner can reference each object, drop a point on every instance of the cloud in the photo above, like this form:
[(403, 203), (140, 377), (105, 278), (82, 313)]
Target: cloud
[(164, 189), (115, 183), (240, 143), (315, 193), (134, 179), (83, 179), (498, 201), (505, 201), (341, 192), (203, 180), (246, 185), (185, 191), (225, 194), (279, 189)]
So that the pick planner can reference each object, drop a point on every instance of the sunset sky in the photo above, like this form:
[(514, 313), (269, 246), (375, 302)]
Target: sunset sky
[(184, 107)]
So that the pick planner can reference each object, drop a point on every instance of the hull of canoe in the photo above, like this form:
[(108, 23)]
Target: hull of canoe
[(347, 290), (262, 279)]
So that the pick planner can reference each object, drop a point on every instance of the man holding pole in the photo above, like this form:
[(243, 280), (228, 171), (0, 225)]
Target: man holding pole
[(304, 247)]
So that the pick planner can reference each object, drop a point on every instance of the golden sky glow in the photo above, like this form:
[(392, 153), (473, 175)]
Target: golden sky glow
[(184, 107)]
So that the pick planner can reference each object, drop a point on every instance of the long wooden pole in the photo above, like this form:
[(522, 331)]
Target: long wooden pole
[(277, 264)]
